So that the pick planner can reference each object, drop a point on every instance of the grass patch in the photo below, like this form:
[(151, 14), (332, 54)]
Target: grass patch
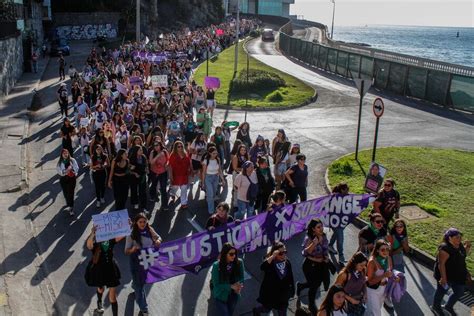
[(284, 90), (440, 181)]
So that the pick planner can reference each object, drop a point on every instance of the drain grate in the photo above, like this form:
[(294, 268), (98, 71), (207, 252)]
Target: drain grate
[(467, 299)]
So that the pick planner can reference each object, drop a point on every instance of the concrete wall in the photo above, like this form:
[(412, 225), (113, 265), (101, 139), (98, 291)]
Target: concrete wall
[(80, 25), (11, 63)]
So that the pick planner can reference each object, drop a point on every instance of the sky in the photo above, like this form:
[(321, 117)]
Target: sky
[(456, 13)]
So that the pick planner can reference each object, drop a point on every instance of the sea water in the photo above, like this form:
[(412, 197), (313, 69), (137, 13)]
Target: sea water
[(432, 42)]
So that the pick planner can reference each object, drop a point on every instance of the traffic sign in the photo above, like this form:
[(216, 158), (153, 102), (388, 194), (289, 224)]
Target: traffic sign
[(378, 107), (363, 85)]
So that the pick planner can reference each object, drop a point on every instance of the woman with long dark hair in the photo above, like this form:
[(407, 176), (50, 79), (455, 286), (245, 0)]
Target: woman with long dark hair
[(143, 236), (398, 239), (179, 172), (379, 269), (238, 159), (316, 262), (67, 132), (371, 233), (99, 164), (119, 179), (211, 176), (334, 304), (352, 279), (227, 280), (103, 271), (138, 182), (158, 172), (67, 169), (278, 284), (297, 176), (266, 184), (244, 134), (198, 150)]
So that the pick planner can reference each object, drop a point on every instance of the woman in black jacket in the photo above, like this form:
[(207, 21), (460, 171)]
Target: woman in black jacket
[(278, 283), (266, 184), (138, 183)]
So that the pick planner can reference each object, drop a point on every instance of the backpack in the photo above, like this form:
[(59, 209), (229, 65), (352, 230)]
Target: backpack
[(252, 191)]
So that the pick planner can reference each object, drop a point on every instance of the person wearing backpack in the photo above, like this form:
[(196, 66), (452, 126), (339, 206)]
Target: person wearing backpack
[(63, 99), (352, 279), (246, 185)]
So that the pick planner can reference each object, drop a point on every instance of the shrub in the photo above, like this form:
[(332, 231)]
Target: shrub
[(275, 96), (344, 168), (259, 80)]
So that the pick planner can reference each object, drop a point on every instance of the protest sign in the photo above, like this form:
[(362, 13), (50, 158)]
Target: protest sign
[(111, 225), (136, 81), (212, 82), (193, 253), (159, 81), (121, 88), (149, 93), (374, 178)]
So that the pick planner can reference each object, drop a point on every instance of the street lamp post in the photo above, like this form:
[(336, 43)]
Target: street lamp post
[(333, 12), (137, 38), (237, 27)]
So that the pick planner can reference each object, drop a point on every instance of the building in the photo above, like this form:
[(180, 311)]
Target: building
[(264, 7)]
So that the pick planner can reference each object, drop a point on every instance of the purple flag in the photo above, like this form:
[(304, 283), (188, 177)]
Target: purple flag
[(212, 82), (193, 253)]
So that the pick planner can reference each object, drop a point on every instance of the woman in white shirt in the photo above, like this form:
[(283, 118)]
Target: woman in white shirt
[(211, 174), (67, 169)]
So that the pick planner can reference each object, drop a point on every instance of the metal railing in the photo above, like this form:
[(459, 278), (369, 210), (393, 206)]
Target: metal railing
[(435, 81)]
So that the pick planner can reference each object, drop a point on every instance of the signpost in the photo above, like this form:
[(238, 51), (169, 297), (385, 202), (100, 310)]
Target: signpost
[(378, 108), (363, 85)]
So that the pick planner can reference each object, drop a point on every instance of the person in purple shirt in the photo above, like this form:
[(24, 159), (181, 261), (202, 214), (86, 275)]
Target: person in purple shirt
[(316, 262)]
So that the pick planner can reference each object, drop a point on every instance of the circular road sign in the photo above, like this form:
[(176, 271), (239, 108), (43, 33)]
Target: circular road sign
[(378, 107)]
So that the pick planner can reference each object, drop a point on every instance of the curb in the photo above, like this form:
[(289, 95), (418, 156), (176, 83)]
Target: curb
[(24, 183), (417, 254)]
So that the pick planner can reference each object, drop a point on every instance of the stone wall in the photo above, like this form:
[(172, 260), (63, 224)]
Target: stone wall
[(11, 63)]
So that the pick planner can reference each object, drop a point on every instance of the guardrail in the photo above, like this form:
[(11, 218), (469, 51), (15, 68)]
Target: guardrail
[(442, 83)]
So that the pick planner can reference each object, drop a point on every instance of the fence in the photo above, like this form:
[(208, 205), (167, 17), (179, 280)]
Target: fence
[(438, 82)]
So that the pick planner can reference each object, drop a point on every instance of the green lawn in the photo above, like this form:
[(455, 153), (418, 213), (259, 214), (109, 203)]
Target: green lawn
[(294, 93), (440, 181)]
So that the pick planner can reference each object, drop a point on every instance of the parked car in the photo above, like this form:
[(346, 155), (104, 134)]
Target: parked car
[(267, 35), (60, 46)]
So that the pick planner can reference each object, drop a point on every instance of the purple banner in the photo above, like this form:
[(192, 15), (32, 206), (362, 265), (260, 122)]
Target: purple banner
[(152, 57), (136, 81), (212, 83), (193, 253)]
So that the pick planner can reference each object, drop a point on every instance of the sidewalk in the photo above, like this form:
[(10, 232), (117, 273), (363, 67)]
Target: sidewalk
[(14, 124)]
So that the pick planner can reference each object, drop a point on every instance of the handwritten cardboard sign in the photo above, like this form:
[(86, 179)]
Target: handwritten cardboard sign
[(159, 81), (111, 225)]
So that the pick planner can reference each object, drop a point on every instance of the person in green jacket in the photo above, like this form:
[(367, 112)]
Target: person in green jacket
[(227, 280)]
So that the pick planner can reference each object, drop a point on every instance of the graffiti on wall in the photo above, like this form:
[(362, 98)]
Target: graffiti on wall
[(88, 31)]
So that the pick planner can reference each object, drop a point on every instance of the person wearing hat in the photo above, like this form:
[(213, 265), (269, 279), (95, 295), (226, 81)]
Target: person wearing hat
[(450, 270), (244, 182)]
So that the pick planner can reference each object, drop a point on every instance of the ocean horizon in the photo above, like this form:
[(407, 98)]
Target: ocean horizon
[(433, 42)]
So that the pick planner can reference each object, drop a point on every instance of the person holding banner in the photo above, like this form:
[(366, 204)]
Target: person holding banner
[(210, 101), (103, 271), (227, 278), (316, 262), (67, 169), (278, 284), (338, 232), (220, 217), (297, 176), (143, 236), (179, 172)]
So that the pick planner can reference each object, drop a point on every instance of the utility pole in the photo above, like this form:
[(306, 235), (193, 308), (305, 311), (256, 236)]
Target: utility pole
[(138, 23), (226, 7), (237, 27), (333, 11)]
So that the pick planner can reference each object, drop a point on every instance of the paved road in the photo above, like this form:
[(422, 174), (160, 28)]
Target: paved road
[(325, 130)]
